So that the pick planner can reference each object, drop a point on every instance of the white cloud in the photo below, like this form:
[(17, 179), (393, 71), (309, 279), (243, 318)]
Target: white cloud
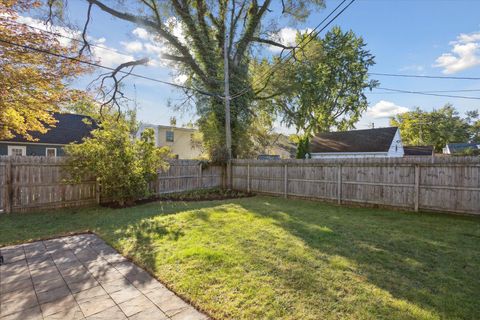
[(141, 33), (385, 109), (132, 46), (285, 36), (109, 56), (465, 54)]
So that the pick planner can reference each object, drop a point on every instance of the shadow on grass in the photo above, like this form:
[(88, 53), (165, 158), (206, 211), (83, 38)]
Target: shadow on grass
[(429, 260)]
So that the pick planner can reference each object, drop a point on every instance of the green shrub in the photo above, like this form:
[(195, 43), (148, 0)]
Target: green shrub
[(124, 166)]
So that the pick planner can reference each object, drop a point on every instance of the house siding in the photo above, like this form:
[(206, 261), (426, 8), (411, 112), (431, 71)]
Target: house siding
[(182, 142), (32, 149)]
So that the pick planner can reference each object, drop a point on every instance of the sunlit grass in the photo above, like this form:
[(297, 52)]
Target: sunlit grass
[(271, 258)]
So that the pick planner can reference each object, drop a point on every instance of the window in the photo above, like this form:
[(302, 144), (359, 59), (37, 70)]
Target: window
[(17, 151), (51, 152), (169, 136)]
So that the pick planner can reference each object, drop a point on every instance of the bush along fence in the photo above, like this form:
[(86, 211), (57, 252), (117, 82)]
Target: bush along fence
[(33, 183), (447, 184)]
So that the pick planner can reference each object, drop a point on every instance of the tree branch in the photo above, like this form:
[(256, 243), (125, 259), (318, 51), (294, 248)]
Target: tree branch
[(272, 43), (158, 27)]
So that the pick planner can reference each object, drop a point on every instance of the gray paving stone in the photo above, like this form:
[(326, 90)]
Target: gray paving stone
[(53, 294), (16, 275), (47, 285), (135, 305), (28, 314), (149, 314), (13, 266), (41, 263), (125, 294), (90, 294), (96, 305), (81, 277), (116, 285), (189, 314), (17, 295), (113, 313), (60, 305), (16, 285), (173, 305), (15, 306), (84, 284), (74, 314)]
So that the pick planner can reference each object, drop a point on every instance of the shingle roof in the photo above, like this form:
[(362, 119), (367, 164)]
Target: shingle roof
[(460, 147), (418, 150), (368, 140), (69, 128)]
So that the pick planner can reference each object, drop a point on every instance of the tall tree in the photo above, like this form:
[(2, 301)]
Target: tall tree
[(436, 128), (323, 87), (199, 53), (32, 85)]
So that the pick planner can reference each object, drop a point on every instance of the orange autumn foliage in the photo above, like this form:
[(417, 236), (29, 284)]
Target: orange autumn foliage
[(33, 85)]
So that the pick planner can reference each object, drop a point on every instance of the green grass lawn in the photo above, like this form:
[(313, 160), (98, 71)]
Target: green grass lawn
[(271, 258)]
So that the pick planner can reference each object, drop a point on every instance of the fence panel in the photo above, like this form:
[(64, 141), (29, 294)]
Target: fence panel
[(449, 184), (32, 183)]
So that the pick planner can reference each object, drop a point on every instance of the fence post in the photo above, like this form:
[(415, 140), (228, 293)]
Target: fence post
[(286, 181), (8, 187), (200, 176), (417, 188), (248, 178), (97, 191), (339, 184)]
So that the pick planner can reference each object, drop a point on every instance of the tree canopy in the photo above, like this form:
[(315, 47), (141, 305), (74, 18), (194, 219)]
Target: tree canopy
[(32, 85), (198, 52), (323, 87), (438, 127)]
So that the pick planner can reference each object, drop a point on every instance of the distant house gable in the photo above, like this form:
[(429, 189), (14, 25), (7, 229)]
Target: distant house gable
[(381, 142), (69, 128)]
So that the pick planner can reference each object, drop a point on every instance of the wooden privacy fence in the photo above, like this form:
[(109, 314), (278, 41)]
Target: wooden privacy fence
[(450, 184), (32, 183)]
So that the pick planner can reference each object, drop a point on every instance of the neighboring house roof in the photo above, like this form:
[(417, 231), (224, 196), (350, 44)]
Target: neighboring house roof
[(368, 140), (69, 128), (460, 147), (268, 157), (418, 150)]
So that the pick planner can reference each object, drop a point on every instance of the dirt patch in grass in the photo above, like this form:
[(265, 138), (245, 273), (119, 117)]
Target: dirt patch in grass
[(193, 195)]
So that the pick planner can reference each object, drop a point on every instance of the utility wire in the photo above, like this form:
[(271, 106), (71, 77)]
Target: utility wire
[(97, 65), (67, 37), (428, 91), (428, 94), (421, 76), (289, 55)]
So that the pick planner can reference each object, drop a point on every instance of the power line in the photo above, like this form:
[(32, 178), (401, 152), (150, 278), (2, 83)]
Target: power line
[(421, 76), (67, 37), (429, 94), (93, 64), (288, 56), (428, 91)]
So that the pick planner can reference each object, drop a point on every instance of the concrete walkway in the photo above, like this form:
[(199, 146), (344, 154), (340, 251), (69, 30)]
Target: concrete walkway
[(81, 277)]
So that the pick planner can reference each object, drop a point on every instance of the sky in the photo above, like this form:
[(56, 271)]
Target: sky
[(417, 37)]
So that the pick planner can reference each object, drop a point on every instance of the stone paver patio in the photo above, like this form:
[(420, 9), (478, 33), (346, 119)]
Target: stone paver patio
[(81, 277)]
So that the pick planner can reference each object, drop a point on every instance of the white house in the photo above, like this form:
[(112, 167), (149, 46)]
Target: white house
[(378, 143)]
